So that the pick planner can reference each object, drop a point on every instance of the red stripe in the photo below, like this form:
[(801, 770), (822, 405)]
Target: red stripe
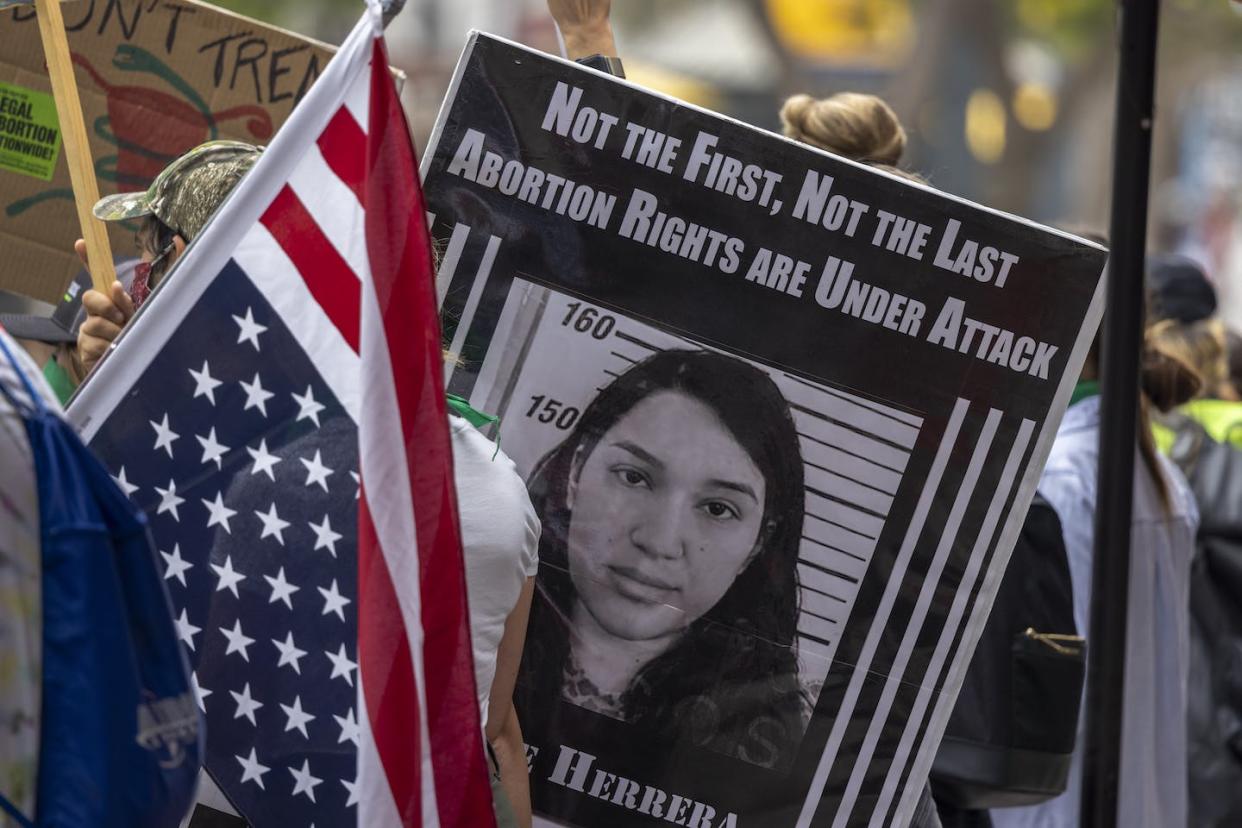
[(399, 248), (387, 672), (327, 275), (339, 145)]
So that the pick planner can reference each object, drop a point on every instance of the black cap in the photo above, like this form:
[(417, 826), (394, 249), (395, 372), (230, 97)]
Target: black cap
[(26, 318), (1179, 288), (31, 322)]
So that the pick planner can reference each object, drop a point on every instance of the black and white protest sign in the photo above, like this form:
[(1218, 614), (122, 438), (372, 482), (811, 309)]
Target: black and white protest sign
[(781, 416)]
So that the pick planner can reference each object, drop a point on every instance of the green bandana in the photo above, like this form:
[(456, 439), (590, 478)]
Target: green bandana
[(57, 377), (476, 418), (1083, 390), (462, 409)]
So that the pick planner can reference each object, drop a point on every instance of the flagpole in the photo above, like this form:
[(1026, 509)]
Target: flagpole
[(1121, 343)]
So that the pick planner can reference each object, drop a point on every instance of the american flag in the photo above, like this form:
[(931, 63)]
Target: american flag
[(325, 620)]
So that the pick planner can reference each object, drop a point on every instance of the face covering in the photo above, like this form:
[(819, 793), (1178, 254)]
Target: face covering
[(140, 288)]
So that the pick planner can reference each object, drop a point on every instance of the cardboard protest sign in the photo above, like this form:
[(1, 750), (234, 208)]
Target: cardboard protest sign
[(781, 416), (155, 78), (31, 143)]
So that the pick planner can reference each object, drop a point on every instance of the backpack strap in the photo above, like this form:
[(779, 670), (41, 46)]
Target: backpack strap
[(1189, 438), (14, 814), (36, 400), (1234, 434)]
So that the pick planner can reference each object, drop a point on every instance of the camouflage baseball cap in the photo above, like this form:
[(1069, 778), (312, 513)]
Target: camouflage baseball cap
[(187, 192)]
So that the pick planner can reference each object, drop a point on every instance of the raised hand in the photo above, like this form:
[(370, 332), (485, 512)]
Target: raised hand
[(586, 27)]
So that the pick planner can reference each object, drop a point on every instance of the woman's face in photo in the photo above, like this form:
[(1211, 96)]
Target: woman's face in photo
[(666, 513)]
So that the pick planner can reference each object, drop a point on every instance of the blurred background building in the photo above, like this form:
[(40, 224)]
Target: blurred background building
[(1007, 102)]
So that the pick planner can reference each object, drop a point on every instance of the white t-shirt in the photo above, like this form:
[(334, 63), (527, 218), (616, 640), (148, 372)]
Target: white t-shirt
[(500, 539)]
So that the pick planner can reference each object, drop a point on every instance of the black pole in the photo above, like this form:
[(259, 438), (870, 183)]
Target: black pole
[(1119, 365)]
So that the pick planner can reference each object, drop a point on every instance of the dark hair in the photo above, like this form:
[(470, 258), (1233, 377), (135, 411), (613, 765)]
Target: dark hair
[(737, 662), (155, 237), (1165, 382), (1233, 348)]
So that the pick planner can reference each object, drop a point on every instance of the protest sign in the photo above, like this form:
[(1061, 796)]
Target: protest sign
[(36, 150), (781, 416), (155, 77)]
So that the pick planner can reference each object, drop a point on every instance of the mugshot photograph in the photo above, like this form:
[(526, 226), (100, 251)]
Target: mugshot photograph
[(672, 516)]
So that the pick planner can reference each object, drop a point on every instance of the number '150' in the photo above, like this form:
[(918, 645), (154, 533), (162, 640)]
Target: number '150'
[(553, 412)]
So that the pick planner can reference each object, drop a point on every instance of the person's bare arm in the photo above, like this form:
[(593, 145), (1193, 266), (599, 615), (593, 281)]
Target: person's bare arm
[(586, 27), (504, 732)]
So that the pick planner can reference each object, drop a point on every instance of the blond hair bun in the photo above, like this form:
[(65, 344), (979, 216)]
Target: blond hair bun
[(857, 126)]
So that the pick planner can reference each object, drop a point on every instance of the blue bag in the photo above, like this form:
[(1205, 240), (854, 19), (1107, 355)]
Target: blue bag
[(122, 736)]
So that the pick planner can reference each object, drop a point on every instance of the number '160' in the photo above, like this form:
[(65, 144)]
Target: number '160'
[(586, 319)]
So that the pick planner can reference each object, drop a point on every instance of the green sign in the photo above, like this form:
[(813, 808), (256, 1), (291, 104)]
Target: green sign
[(29, 132)]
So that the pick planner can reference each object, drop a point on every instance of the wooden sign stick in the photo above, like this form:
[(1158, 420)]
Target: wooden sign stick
[(77, 148)]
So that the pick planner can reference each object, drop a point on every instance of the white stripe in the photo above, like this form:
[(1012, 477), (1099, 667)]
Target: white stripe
[(818, 627), (914, 625), (843, 515), (375, 10), (825, 582), (880, 621), (842, 410), (851, 441), (358, 101), (629, 354), (816, 528), (333, 206), (855, 468), (448, 265), (386, 486), (273, 273), (834, 560), (820, 604), (808, 649), (848, 490), (472, 302), (887, 410), (950, 634), (376, 805), (488, 392)]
